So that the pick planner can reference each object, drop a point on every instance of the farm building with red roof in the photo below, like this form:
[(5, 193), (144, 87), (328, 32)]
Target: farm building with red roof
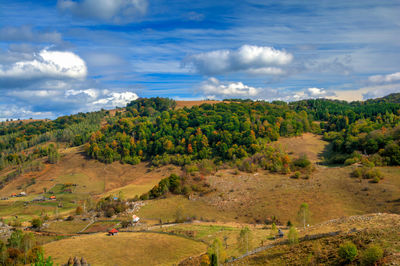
[(113, 232)]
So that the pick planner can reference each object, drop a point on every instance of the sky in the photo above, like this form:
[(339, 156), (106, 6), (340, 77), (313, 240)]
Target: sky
[(63, 57)]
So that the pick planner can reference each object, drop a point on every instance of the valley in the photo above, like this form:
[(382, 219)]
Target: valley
[(79, 199)]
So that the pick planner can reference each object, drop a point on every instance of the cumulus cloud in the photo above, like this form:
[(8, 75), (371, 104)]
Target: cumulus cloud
[(248, 58), (214, 88), (379, 91), (310, 93), (91, 93), (390, 78), (119, 99), (51, 103), (116, 11), (316, 92), (27, 34), (43, 65), (12, 111)]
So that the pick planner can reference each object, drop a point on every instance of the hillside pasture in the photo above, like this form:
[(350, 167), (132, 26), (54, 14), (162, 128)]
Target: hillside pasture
[(227, 233), (125, 249), (74, 179), (331, 192), (307, 144), (376, 229)]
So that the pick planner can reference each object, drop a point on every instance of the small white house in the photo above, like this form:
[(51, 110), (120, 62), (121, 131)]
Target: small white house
[(135, 218)]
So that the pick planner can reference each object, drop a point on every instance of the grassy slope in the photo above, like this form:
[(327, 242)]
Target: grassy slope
[(92, 178), (244, 197), (207, 232), (248, 197), (307, 144), (378, 229), (125, 249)]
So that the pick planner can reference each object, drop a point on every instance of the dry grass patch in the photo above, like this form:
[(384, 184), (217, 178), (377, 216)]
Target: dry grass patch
[(125, 249), (166, 210), (66, 227), (227, 234), (181, 104), (309, 144)]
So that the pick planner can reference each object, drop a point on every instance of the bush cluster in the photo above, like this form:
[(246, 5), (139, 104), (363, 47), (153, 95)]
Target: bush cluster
[(368, 173), (110, 206)]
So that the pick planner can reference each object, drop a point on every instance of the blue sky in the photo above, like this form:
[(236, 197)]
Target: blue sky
[(62, 57)]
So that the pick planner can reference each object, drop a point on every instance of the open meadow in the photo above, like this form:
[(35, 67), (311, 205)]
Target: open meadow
[(125, 249)]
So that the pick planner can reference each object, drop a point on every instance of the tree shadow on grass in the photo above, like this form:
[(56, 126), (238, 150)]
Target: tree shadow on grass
[(326, 156)]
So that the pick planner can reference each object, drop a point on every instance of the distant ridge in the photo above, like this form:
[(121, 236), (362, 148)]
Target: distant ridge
[(391, 98)]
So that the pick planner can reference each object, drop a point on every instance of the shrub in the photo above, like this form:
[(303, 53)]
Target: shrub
[(145, 196), (348, 251), (274, 231), (367, 162), (293, 236), (79, 210), (206, 167), (204, 260), (191, 169), (186, 190), (372, 174), (377, 160), (37, 223), (296, 175), (372, 254), (109, 212), (350, 161), (357, 173), (302, 162), (375, 179), (173, 184), (125, 223), (247, 166), (338, 158)]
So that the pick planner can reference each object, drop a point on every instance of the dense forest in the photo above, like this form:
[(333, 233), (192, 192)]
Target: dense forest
[(151, 129), (223, 131), (235, 130)]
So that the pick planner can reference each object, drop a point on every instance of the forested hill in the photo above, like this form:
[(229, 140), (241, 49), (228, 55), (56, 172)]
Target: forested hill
[(153, 130), (391, 98)]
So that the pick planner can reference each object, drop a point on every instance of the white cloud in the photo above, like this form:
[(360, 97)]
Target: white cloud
[(316, 92), (379, 91), (119, 99), (248, 58), (385, 78), (51, 103), (12, 111), (45, 65), (213, 87), (309, 93), (117, 11), (92, 93), (266, 71)]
